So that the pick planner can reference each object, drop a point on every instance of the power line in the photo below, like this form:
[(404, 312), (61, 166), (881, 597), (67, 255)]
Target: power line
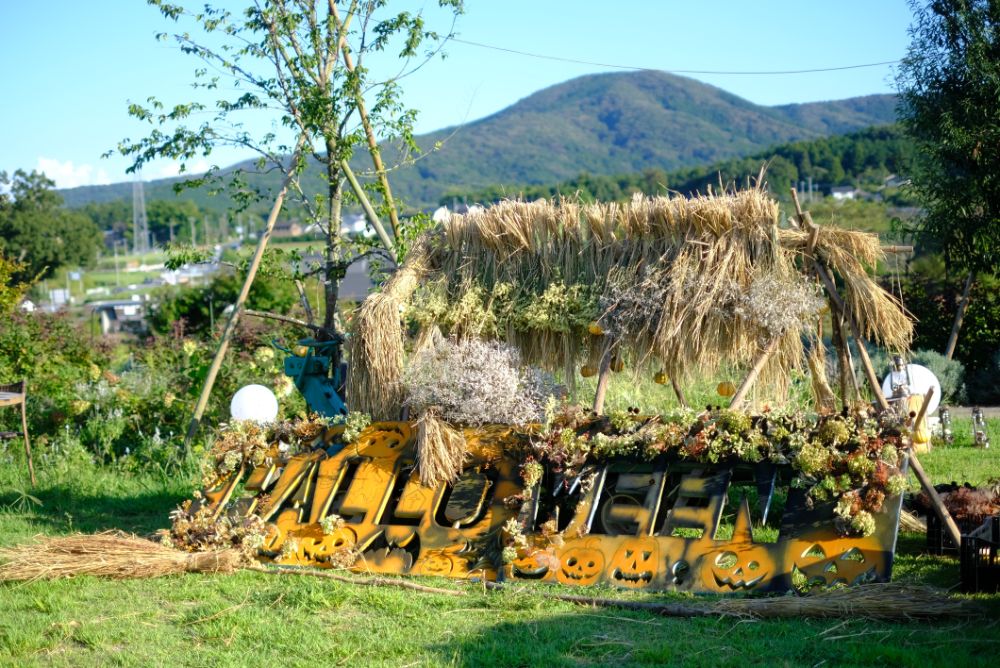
[(669, 71)]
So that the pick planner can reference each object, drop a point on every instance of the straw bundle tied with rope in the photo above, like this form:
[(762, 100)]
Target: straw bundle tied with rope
[(680, 285), (110, 554)]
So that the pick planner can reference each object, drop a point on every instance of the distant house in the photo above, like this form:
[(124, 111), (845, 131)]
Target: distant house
[(287, 228), (843, 192), (122, 316)]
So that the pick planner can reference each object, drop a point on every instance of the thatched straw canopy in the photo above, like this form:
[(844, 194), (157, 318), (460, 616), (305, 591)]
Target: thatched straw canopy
[(675, 283)]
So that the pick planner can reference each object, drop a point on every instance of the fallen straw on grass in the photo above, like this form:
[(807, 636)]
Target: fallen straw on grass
[(110, 554)]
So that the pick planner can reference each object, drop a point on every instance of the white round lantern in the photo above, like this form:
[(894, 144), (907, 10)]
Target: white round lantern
[(914, 379), (254, 402)]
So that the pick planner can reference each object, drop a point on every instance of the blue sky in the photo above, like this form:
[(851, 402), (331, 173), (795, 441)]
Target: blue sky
[(71, 68)]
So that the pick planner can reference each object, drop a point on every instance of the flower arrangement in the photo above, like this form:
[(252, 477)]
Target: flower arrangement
[(852, 461)]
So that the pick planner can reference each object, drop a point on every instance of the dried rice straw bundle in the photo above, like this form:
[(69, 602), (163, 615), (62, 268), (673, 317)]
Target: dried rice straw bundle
[(111, 554), (441, 450), (376, 343)]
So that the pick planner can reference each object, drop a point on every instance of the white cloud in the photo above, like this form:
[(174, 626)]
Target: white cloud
[(68, 175), (172, 169)]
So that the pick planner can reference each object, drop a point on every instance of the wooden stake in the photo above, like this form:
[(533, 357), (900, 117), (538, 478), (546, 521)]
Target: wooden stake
[(367, 206), (602, 380), (956, 326), (234, 317), (831, 288), (677, 391), (936, 503), (305, 302), (754, 372)]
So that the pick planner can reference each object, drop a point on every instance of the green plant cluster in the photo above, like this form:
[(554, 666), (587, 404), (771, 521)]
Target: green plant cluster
[(88, 401), (472, 309), (850, 461)]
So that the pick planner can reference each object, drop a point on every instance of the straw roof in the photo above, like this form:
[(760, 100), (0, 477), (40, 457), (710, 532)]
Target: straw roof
[(678, 284)]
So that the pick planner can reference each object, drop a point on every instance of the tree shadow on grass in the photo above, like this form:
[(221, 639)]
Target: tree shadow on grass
[(65, 508)]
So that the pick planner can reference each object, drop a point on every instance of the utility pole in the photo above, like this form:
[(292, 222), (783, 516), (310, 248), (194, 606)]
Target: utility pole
[(140, 225)]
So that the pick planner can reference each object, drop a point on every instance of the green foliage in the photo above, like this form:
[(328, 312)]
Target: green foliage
[(196, 307), (35, 229), (12, 290), (949, 83), (932, 297), (85, 404), (862, 158)]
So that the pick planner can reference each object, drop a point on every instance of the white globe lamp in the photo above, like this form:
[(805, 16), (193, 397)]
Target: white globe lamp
[(254, 402)]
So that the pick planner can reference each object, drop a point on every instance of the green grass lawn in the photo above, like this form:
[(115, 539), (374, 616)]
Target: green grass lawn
[(257, 619)]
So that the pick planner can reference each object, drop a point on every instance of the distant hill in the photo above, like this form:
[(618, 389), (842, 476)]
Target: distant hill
[(862, 159), (601, 124)]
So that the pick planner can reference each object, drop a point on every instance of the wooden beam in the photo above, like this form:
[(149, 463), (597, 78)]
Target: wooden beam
[(748, 382), (603, 378)]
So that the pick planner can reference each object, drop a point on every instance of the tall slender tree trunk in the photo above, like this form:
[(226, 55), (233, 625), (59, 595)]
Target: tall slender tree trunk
[(963, 305), (332, 275)]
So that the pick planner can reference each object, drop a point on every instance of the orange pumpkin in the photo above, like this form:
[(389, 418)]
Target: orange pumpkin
[(595, 328), (588, 370), (726, 389)]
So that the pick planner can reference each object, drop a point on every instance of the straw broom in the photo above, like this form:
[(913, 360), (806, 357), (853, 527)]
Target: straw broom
[(110, 554)]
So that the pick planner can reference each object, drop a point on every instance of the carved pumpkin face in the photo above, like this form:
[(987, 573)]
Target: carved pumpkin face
[(832, 563), (530, 567), (580, 566), (636, 563), (737, 571), (440, 563)]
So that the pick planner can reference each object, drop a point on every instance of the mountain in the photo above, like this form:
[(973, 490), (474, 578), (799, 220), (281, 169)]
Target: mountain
[(599, 124)]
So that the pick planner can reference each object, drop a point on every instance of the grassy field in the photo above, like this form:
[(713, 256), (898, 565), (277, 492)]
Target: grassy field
[(253, 618)]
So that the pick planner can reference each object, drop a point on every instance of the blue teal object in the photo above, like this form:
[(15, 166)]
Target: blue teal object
[(319, 375)]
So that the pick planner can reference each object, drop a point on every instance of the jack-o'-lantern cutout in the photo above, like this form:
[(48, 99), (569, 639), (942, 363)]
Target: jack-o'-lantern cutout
[(533, 566), (580, 566), (836, 563), (636, 562), (440, 563), (738, 571), (342, 538)]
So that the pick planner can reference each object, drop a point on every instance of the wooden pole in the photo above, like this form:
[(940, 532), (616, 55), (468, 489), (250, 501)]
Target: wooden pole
[(677, 391), (754, 372), (936, 503), (367, 206), (831, 288), (949, 350), (24, 429), (234, 317), (373, 147), (602, 380)]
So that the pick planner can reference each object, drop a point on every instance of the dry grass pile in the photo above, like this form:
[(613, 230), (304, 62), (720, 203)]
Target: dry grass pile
[(112, 555), (676, 284), (882, 601)]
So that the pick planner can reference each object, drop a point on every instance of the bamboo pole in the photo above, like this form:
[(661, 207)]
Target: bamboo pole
[(936, 502), (367, 206), (373, 148), (603, 378), (677, 391), (754, 372), (227, 334), (831, 288), (956, 326)]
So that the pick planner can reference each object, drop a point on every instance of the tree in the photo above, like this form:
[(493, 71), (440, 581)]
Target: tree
[(308, 62), (37, 232), (949, 85)]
